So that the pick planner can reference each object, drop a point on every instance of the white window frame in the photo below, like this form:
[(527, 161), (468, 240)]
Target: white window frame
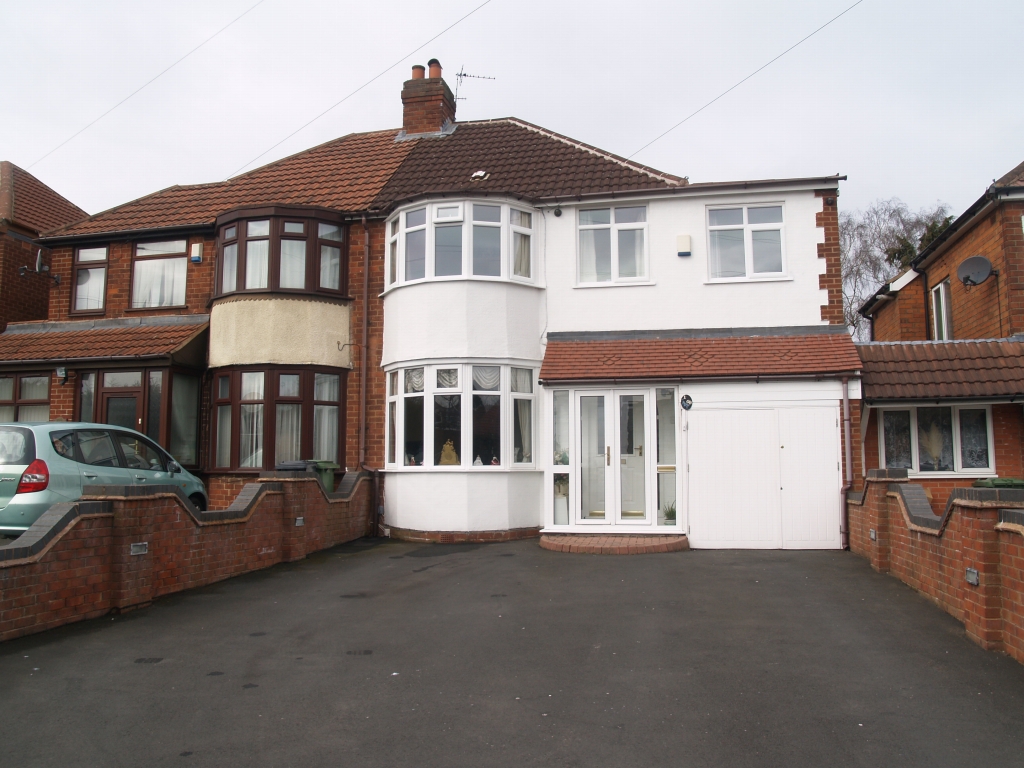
[(958, 470), (393, 253), (942, 322), (614, 228), (466, 391), (529, 232), (435, 222), (404, 231), (748, 244)]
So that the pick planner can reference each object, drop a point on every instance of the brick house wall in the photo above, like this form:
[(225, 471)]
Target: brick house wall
[(198, 283), (902, 318), (831, 280), (21, 298)]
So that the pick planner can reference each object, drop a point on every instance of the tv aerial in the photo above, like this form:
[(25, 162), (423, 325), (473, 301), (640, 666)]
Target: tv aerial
[(462, 75), (974, 271), (40, 269)]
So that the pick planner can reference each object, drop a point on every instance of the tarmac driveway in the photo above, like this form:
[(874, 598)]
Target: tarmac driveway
[(396, 654)]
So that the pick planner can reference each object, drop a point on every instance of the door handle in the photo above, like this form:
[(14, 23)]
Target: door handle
[(140, 477), (608, 455), (87, 474)]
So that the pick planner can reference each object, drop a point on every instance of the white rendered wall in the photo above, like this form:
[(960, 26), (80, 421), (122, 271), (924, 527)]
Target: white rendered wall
[(463, 501), (463, 319), (679, 294), (280, 330)]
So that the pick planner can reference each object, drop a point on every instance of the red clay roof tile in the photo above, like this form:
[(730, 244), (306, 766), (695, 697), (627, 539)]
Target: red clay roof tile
[(113, 343), (25, 200)]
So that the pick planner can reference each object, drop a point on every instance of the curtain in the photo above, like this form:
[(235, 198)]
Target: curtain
[(325, 432), (223, 435), (250, 447), (521, 246), (631, 253), (326, 387), (88, 397), (522, 380), (6, 388), (6, 414), (413, 379), (230, 274), (293, 264), (89, 288), (595, 255), (28, 413), (524, 431), (330, 267), (159, 283), (486, 377), (257, 253), (447, 378), (252, 385), (288, 436), (185, 419), (35, 388)]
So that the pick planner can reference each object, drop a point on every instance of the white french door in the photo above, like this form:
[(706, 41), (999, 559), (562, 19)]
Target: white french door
[(615, 477)]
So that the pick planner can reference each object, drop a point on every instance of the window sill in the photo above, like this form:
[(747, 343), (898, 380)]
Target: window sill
[(459, 278), (735, 280), (461, 470), (976, 475), (176, 309), (613, 284)]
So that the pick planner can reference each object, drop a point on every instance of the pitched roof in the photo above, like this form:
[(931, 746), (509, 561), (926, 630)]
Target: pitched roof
[(344, 174), (49, 342), (26, 201), (1014, 178), (679, 355), (925, 370), (520, 159)]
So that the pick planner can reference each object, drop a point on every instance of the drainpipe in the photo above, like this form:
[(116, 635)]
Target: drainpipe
[(363, 377), (845, 527)]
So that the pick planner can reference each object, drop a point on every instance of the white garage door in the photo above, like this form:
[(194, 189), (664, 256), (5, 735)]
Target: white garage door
[(764, 478)]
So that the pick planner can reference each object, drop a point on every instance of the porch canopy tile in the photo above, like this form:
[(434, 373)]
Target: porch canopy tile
[(98, 340), (927, 370), (813, 350)]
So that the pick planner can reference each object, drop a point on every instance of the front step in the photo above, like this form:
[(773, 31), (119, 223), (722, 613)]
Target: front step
[(612, 544)]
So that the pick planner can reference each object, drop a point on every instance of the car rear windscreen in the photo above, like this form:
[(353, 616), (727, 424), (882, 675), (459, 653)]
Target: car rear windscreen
[(17, 446)]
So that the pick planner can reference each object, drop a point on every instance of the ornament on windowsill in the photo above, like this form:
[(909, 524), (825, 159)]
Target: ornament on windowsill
[(477, 462), (449, 457)]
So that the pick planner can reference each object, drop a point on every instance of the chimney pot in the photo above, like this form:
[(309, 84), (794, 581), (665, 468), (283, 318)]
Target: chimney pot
[(418, 71), (427, 103), (435, 68)]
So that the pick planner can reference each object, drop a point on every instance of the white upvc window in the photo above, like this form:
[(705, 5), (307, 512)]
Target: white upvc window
[(469, 239), (613, 244), (937, 439), (462, 415), (746, 242), (942, 312)]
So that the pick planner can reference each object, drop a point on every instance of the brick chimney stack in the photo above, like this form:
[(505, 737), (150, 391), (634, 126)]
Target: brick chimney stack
[(427, 102)]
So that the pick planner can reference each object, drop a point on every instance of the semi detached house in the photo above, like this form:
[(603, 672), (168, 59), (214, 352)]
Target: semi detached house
[(516, 330)]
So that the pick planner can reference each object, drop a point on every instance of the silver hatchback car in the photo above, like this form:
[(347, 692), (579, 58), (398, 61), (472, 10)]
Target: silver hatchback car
[(44, 464)]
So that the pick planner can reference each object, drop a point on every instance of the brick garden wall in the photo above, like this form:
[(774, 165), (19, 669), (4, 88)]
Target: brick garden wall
[(75, 563), (933, 555)]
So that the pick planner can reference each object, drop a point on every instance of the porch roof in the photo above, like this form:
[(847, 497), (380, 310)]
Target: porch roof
[(699, 354), (929, 370)]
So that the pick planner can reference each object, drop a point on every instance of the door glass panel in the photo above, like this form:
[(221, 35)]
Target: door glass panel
[(632, 474), (116, 379), (156, 388), (593, 458), (561, 489), (666, 408), (121, 411)]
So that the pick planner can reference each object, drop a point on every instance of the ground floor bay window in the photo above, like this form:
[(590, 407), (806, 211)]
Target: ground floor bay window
[(613, 457), (265, 416), (461, 415)]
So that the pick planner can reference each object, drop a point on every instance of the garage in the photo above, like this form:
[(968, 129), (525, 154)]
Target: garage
[(764, 477)]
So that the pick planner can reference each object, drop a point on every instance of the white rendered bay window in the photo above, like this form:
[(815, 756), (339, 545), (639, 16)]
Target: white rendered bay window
[(613, 244), (745, 241)]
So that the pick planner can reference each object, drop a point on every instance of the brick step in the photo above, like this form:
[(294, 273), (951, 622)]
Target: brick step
[(612, 544)]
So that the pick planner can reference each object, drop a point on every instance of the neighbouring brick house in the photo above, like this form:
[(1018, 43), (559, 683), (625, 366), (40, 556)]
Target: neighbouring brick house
[(517, 330), (27, 208)]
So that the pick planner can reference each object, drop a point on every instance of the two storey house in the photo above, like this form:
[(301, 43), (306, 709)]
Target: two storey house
[(517, 330)]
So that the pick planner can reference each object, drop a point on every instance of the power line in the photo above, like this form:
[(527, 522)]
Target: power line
[(357, 90), (149, 82), (741, 82)]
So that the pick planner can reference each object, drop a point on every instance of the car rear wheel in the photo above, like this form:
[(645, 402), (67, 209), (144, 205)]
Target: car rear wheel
[(199, 501)]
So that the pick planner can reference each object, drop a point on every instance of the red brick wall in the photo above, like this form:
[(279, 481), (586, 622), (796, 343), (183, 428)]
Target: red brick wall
[(198, 283), (831, 280), (935, 565), (375, 389), (995, 308), (88, 569), (903, 317), (21, 298)]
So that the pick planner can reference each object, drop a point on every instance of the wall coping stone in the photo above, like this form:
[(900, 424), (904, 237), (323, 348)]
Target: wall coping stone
[(49, 525)]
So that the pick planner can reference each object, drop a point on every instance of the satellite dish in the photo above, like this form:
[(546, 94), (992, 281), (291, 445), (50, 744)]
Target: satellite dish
[(974, 271)]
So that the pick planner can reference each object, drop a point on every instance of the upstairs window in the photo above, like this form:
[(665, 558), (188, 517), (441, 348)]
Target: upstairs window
[(612, 244), (522, 243), (415, 244), (745, 242), (90, 279), (158, 274), (942, 312), (282, 253)]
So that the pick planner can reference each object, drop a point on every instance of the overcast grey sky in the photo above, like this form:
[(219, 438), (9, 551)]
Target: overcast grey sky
[(919, 99)]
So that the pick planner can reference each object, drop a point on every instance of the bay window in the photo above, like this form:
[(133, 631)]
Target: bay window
[(612, 244), (159, 273), (458, 415), (934, 439), (262, 418), (281, 252), (461, 239), (25, 397), (90, 279), (745, 242)]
